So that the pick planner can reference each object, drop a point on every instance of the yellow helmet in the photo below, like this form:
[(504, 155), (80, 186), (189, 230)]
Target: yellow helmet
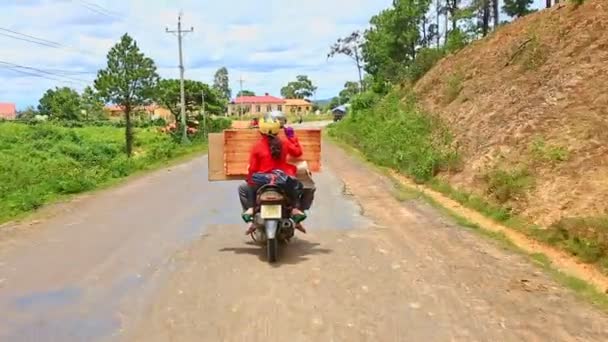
[(269, 125)]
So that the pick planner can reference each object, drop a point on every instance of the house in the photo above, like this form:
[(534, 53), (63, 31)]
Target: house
[(153, 111), (8, 111), (297, 106), (255, 104)]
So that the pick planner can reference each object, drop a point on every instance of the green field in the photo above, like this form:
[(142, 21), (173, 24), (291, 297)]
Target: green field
[(43, 162)]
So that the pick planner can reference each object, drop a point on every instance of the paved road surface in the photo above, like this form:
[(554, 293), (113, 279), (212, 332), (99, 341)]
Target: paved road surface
[(164, 258)]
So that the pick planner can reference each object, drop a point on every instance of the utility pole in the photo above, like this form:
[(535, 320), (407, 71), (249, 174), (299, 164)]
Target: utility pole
[(241, 95), (180, 34), (204, 116)]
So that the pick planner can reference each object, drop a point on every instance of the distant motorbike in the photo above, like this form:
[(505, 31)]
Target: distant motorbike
[(272, 219)]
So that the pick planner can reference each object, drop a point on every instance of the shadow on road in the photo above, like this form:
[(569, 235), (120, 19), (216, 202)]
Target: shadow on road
[(291, 253)]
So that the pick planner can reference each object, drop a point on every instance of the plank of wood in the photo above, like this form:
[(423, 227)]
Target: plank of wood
[(215, 160), (238, 145), (240, 124)]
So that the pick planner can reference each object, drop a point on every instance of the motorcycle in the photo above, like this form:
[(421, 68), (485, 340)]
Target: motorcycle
[(272, 219)]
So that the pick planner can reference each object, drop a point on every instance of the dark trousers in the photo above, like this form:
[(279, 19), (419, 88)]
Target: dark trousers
[(247, 194)]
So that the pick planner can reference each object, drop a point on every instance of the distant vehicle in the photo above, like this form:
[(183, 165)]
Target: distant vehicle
[(339, 113)]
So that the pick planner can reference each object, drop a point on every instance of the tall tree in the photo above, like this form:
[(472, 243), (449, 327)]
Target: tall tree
[(129, 80), (221, 83), (394, 38), (517, 8), (350, 46), (350, 90), (60, 103), (168, 95), (496, 7), (301, 88)]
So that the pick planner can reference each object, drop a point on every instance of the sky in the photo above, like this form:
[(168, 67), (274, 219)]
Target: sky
[(266, 42)]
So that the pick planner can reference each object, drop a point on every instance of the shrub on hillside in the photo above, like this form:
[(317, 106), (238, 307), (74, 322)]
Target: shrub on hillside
[(425, 60), (397, 134)]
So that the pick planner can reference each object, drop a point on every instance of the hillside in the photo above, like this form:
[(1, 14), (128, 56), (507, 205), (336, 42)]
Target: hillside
[(528, 107)]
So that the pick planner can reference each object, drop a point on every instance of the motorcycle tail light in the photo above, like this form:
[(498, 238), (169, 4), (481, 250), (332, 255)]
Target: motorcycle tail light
[(271, 196)]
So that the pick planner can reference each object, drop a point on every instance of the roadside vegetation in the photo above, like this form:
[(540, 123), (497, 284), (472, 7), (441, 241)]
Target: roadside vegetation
[(388, 126), (42, 162)]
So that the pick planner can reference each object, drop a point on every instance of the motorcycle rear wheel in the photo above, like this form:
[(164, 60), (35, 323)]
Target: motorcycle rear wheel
[(272, 248)]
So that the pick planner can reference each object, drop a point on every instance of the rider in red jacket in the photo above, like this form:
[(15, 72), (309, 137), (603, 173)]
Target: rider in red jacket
[(268, 154)]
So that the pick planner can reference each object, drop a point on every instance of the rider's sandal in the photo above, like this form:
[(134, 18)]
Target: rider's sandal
[(298, 217), (247, 216)]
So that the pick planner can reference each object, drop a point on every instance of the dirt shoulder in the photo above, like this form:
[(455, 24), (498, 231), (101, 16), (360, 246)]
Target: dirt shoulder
[(411, 274)]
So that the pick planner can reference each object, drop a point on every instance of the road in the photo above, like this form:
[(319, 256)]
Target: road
[(164, 258)]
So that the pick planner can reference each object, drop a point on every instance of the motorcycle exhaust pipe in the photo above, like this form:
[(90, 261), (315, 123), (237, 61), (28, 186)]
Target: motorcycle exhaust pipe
[(286, 224)]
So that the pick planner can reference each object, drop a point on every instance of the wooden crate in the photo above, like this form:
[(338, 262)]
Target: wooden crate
[(238, 145)]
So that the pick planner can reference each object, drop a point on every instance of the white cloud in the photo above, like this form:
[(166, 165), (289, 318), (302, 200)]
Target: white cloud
[(268, 42)]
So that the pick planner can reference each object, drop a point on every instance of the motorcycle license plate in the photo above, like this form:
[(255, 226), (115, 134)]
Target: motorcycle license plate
[(270, 212)]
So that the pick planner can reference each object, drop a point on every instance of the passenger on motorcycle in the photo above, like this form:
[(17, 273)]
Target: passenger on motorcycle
[(268, 154), (308, 194)]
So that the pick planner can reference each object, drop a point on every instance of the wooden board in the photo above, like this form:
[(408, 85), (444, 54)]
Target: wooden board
[(238, 144), (240, 124), (215, 158)]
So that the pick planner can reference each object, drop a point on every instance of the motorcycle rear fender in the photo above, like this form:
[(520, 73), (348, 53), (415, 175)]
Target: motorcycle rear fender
[(271, 227)]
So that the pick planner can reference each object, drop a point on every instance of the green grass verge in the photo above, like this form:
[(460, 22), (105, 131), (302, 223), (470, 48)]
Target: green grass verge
[(43, 163)]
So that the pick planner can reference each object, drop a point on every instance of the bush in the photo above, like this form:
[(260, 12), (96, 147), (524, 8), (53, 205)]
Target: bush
[(453, 87), (363, 101), (425, 60), (397, 134), (585, 237), (41, 161), (457, 40), (508, 185)]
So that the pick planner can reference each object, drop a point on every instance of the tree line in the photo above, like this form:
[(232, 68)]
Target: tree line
[(405, 40)]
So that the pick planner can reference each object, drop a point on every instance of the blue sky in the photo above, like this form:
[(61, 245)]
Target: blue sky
[(267, 42)]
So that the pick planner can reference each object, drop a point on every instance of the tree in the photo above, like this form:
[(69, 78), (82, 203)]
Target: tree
[(129, 80), (496, 7), (350, 90), (245, 92), (517, 8), (221, 83), (350, 46), (91, 104), (301, 88), (335, 102), (168, 95), (394, 38), (60, 103)]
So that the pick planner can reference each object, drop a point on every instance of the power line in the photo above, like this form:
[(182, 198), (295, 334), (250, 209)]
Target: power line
[(37, 75), (18, 67), (32, 37), (40, 41), (98, 9)]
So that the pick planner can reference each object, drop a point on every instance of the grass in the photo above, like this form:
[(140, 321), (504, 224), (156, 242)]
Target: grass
[(453, 88), (507, 185), (45, 162), (544, 152), (398, 135), (534, 55)]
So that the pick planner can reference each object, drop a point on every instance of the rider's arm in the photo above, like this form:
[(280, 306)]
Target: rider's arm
[(293, 147)]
